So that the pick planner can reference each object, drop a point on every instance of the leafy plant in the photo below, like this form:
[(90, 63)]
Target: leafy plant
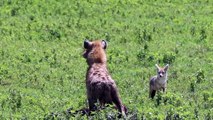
[(42, 71)]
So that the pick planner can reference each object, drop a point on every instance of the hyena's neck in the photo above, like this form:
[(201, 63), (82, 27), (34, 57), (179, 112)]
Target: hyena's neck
[(97, 62), (97, 67), (99, 70)]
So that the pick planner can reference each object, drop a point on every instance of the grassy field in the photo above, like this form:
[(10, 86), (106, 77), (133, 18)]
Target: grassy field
[(42, 71)]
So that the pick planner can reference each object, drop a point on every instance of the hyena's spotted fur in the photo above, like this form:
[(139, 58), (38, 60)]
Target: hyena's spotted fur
[(100, 86), (158, 82)]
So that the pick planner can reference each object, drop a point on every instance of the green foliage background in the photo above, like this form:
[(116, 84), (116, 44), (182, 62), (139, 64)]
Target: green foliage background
[(42, 72)]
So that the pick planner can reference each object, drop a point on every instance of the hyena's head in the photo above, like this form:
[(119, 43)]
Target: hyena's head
[(162, 71), (95, 51)]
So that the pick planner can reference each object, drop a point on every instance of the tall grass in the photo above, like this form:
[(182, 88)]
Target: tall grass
[(42, 71)]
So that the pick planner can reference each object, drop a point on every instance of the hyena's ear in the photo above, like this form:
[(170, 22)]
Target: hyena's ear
[(87, 44), (156, 65), (104, 44), (166, 67)]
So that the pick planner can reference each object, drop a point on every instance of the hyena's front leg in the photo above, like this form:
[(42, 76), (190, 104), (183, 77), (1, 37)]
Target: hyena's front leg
[(92, 100), (116, 100), (92, 106)]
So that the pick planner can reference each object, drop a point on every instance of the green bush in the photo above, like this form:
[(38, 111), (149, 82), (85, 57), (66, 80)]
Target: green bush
[(42, 71)]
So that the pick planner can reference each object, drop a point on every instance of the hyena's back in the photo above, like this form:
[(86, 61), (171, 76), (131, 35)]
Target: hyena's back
[(101, 90)]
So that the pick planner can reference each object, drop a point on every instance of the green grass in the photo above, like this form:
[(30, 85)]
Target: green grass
[(42, 71)]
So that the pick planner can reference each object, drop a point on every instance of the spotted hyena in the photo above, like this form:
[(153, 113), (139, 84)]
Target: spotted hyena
[(100, 86)]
